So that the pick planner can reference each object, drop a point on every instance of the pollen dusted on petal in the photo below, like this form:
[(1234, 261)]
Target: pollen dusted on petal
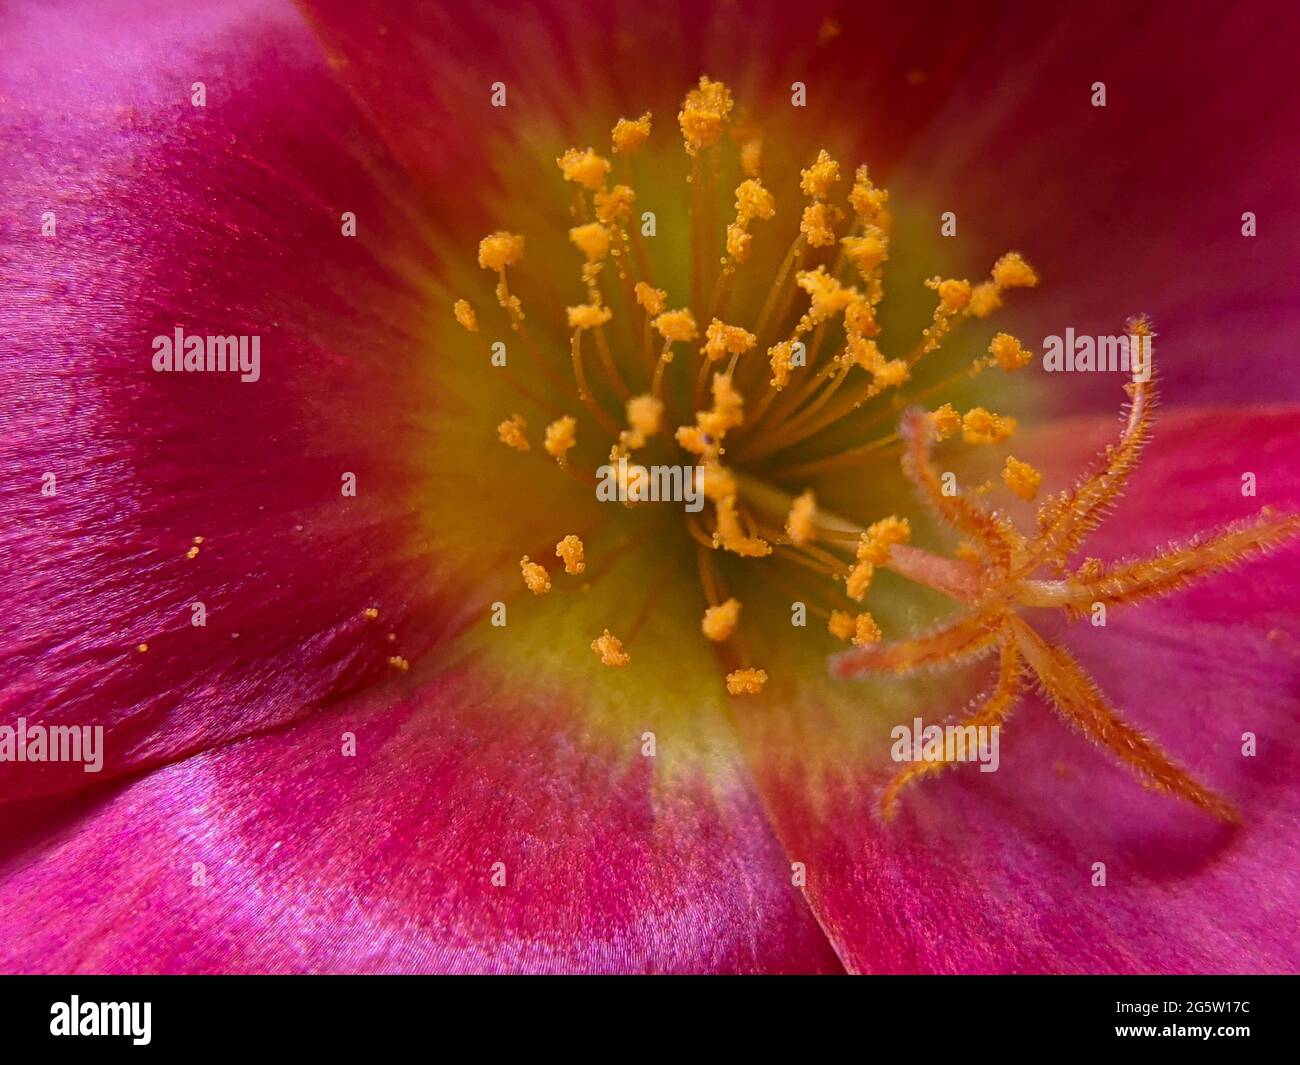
[(569, 551), (609, 649), (465, 315), (720, 621), (399, 663), (535, 576), (511, 432), (746, 681)]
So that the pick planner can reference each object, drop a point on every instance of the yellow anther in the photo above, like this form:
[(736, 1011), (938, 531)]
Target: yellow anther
[(858, 580), (985, 298), (610, 650), (728, 520), (399, 663), (860, 319), (561, 435), (644, 415), (511, 432), (751, 157), (728, 404), (1021, 478), (746, 681), (704, 112), (753, 201), (722, 340), (588, 316), (465, 315), (880, 536), (980, 426), (718, 482), (954, 295), (841, 625), (749, 547), (945, 421), (719, 621), (865, 630), (865, 354), (631, 133), (781, 358), (535, 576), (614, 205), (584, 167), (696, 440), (1011, 271), (569, 550), (818, 224), (799, 523), (867, 251), (592, 240), (653, 300), (676, 325), (499, 250), (891, 374), (739, 242), (1008, 352), (827, 295), (867, 201), (371, 613), (816, 181)]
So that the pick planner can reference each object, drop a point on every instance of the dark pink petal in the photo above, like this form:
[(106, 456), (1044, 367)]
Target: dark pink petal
[(221, 220), (382, 862), (993, 872)]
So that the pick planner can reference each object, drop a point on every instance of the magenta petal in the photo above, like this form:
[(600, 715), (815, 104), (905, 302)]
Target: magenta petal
[(313, 861), (221, 220), (994, 872)]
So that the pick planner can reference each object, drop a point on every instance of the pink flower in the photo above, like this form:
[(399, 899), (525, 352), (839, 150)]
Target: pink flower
[(277, 596)]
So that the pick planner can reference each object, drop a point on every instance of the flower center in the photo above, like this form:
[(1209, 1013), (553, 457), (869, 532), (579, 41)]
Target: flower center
[(752, 378), (784, 358)]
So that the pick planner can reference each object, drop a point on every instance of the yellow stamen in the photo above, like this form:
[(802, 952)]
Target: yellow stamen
[(800, 524), (570, 551), (1021, 478), (561, 435), (980, 426), (746, 681), (630, 134), (511, 432), (719, 621), (535, 576), (499, 250), (609, 649), (704, 113), (465, 315), (586, 168)]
